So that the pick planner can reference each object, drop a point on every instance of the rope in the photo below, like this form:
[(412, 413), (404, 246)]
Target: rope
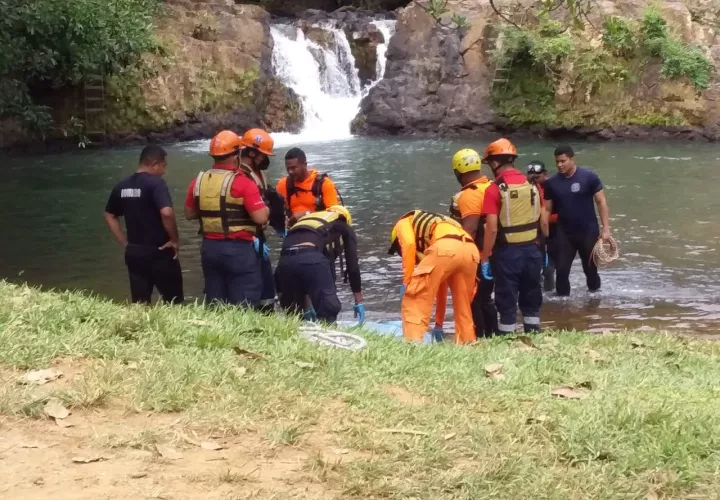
[(605, 252), (316, 334)]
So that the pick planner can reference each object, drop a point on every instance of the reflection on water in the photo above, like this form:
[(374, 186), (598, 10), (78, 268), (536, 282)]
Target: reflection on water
[(665, 214)]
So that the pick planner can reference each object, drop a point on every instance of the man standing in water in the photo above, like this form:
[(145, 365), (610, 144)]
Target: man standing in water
[(512, 208), (305, 190), (573, 192), (231, 212), (538, 175), (467, 167), (151, 245), (256, 149)]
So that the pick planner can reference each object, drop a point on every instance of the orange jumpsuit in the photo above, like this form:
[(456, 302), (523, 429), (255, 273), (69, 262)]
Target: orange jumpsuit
[(450, 257)]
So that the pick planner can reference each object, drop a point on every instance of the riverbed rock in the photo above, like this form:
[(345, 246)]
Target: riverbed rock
[(439, 78), (428, 88), (363, 45)]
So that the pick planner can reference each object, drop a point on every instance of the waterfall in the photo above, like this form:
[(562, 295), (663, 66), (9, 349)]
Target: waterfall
[(387, 28), (325, 79)]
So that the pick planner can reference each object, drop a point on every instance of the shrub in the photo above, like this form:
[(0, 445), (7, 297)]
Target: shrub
[(680, 59), (619, 37), (51, 43)]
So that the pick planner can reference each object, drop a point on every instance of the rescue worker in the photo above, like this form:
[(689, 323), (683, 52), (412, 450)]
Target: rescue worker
[(512, 209), (307, 262), (538, 175), (305, 190), (446, 254), (467, 168), (574, 192), (227, 202), (151, 245), (256, 148)]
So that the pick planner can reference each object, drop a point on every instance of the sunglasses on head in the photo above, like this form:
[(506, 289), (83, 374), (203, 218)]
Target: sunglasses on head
[(535, 168)]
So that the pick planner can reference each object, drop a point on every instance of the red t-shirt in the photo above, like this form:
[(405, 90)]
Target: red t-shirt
[(491, 206), (242, 187)]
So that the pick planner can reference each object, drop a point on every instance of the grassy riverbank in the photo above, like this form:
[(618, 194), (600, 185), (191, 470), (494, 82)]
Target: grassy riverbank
[(299, 421)]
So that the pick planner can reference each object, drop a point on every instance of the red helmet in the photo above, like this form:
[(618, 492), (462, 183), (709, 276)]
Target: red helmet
[(259, 139)]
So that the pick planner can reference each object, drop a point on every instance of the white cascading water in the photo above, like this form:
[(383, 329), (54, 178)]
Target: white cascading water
[(330, 92), (387, 28)]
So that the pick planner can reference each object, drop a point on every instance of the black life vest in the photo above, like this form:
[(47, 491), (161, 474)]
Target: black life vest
[(315, 189)]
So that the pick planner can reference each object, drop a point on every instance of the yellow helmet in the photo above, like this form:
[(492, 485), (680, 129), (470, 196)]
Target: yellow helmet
[(341, 210), (466, 160)]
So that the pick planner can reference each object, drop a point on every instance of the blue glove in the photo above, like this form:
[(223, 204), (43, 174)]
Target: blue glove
[(438, 334), (309, 314), (546, 260), (360, 313), (402, 290), (487, 271), (265, 250)]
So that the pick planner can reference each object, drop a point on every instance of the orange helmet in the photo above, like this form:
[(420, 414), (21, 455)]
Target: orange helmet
[(259, 139), (500, 147), (225, 143)]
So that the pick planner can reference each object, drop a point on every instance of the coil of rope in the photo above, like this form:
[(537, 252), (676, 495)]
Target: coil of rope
[(605, 252), (318, 334)]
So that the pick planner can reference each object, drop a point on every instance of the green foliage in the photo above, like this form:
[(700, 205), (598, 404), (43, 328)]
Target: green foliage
[(50, 43), (438, 8), (619, 37), (654, 32), (678, 58), (543, 48)]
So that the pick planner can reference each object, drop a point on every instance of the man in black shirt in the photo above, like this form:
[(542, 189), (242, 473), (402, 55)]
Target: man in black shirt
[(307, 263), (151, 245)]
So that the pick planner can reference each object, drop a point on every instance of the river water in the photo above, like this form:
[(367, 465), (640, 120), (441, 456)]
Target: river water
[(663, 200)]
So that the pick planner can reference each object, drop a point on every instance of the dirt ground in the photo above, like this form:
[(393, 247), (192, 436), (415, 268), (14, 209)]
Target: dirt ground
[(112, 453)]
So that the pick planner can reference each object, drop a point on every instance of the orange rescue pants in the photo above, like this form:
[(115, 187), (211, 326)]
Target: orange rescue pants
[(450, 261)]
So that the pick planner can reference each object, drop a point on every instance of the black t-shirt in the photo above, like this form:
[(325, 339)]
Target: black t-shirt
[(139, 198), (337, 230), (574, 199)]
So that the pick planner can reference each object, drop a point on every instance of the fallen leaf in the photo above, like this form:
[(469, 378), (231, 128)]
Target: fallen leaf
[(539, 419), (138, 475), (341, 451), (567, 393), (250, 355), (304, 364), (239, 371), (525, 342), (448, 437), (132, 365), (168, 452), (64, 423), (55, 409), (635, 343), (594, 355), (404, 431), (494, 371), (211, 446), (41, 377), (88, 460)]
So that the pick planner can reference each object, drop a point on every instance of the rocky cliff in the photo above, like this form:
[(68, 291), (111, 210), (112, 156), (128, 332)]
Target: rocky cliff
[(549, 76)]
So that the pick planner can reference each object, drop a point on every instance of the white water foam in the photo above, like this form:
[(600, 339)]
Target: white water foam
[(331, 91), (326, 80)]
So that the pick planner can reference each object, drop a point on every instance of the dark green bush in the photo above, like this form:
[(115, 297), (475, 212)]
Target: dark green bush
[(52, 43)]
